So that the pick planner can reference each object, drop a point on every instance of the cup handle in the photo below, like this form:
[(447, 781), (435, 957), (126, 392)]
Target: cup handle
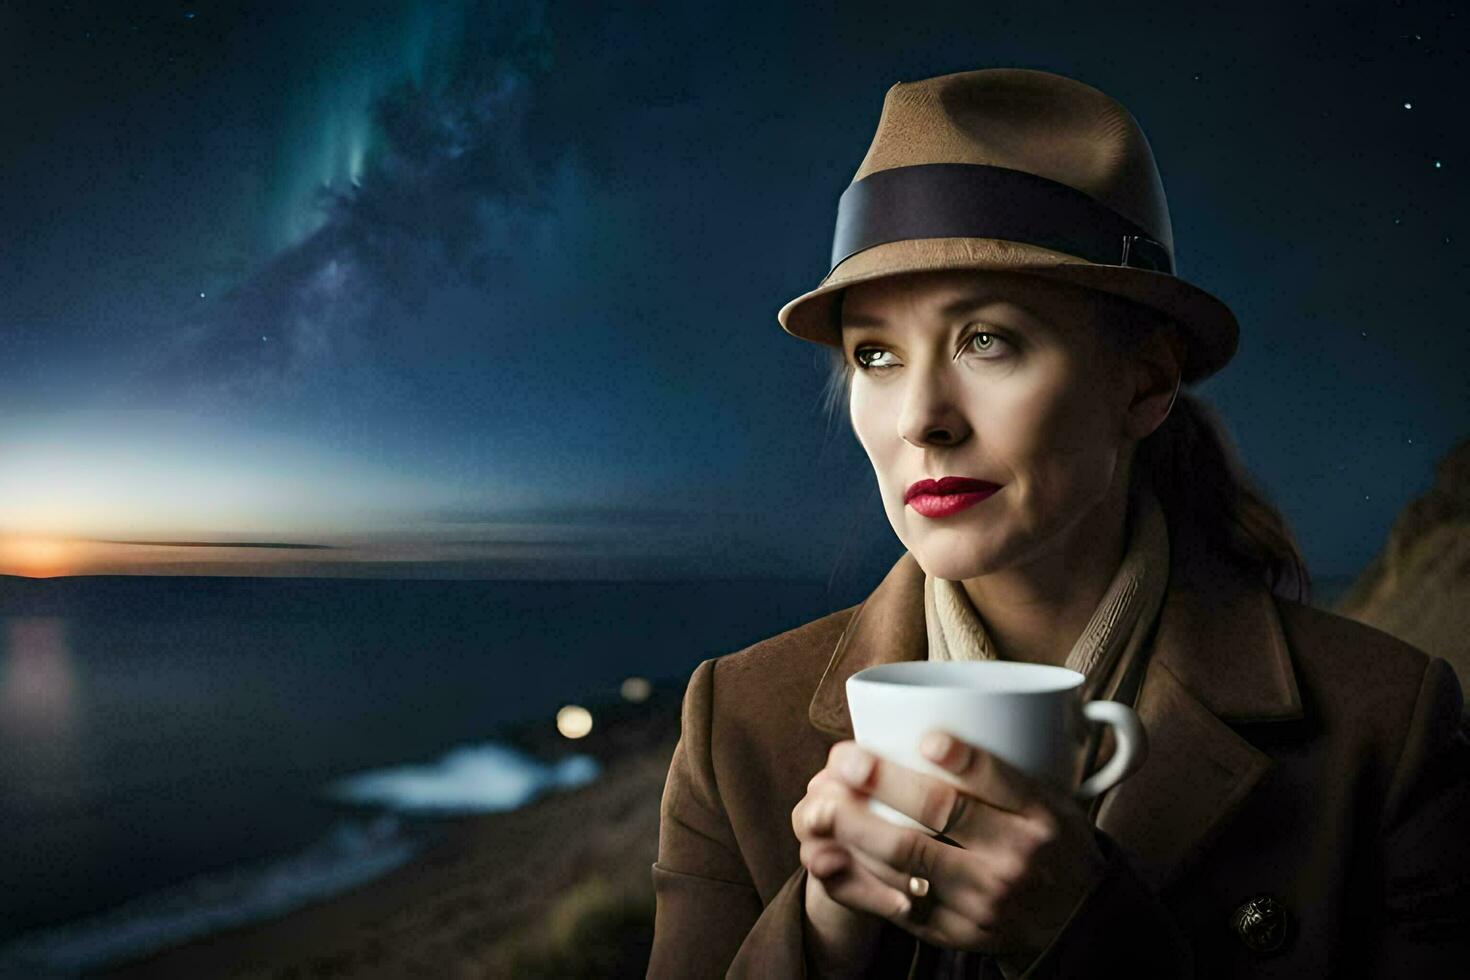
[(1128, 755)]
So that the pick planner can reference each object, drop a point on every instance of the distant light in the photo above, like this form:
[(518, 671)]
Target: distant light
[(1408, 105), (574, 721), (1437, 165), (636, 689), (201, 295)]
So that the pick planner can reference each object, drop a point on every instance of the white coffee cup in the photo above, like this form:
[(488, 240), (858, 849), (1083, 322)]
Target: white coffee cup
[(1030, 715)]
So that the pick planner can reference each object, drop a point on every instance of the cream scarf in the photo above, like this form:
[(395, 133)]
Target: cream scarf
[(1111, 650)]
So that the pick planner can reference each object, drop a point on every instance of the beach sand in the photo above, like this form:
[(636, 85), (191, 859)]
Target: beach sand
[(561, 887)]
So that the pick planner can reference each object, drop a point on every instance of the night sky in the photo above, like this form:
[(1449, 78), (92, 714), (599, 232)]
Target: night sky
[(454, 288)]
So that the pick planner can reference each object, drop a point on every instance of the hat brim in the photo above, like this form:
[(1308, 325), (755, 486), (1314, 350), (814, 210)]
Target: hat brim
[(1210, 328)]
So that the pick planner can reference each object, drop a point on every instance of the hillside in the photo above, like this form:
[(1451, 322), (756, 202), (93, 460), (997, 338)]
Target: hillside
[(1418, 586)]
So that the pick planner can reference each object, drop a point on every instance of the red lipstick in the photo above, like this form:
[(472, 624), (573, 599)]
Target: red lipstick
[(940, 498)]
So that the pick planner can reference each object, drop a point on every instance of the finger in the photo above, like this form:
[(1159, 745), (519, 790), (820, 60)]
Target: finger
[(850, 882), (985, 774), (857, 887), (823, 858), (862, 882), (966, 899), (824, 775), (970, 874), (812, 815), (893, 853), (935, 802)]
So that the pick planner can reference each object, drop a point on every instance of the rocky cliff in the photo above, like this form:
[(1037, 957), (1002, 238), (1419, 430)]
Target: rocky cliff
[(1418, 587)]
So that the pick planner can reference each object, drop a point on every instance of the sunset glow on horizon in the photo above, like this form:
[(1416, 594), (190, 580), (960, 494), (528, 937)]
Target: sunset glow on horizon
[(34, 557), (30, 556), (152, 492), (591, 544), (39, 556)]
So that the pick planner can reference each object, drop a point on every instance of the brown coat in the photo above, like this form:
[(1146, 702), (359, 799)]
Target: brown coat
[(1292, 753)]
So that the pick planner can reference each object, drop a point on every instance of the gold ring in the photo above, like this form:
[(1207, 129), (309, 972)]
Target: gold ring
[(921, 906)]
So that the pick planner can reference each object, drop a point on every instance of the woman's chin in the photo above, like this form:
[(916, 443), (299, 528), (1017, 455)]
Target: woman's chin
[(955, 565)]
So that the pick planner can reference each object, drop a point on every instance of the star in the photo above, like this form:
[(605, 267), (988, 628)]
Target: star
[(1408, 105)]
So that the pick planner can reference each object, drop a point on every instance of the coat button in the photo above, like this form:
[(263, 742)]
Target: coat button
[(1261, 923)]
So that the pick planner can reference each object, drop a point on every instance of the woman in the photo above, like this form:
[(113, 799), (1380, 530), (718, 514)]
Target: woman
[(1012, 341)]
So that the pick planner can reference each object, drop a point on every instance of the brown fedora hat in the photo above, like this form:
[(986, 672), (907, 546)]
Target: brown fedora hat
[(1021, 170)]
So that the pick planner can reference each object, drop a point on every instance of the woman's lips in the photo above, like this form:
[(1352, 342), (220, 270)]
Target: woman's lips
[(947, 496)]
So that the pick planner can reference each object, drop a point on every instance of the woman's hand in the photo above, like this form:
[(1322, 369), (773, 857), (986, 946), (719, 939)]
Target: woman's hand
[(840, 938), (1026, 854)]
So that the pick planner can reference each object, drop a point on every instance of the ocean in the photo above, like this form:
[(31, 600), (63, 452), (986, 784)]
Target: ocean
[(182, 754)]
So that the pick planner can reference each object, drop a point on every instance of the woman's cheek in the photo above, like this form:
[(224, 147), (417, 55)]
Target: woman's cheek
[(1056, 421), (1048, 442), (1019, 431)]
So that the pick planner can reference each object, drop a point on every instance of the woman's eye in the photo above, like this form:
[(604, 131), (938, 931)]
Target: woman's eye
[(867, 357), (991, 339), (860, 356)]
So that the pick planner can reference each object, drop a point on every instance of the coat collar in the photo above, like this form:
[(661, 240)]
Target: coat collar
[(1219, 657)]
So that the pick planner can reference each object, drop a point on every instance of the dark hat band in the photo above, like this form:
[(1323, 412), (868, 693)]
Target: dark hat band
[(975, 200)]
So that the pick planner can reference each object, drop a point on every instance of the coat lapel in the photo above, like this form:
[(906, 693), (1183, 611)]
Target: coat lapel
[(886, 627), (1219, 657)]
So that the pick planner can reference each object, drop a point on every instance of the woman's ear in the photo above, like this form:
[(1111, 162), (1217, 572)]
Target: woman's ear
[(1155, 375)]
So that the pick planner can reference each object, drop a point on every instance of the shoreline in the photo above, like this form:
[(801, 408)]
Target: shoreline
[(487, 892), (498, 893)]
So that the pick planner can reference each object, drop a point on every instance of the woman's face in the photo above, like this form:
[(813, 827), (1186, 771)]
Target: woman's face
[(989, 376)]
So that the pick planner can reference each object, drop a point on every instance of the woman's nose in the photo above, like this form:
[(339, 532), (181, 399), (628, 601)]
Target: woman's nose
[(929, 416)]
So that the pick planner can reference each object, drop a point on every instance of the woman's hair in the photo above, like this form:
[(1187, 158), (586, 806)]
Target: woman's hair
[(1193, 465)]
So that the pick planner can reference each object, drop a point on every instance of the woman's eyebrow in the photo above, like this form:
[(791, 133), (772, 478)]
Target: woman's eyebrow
[(953, 308)]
